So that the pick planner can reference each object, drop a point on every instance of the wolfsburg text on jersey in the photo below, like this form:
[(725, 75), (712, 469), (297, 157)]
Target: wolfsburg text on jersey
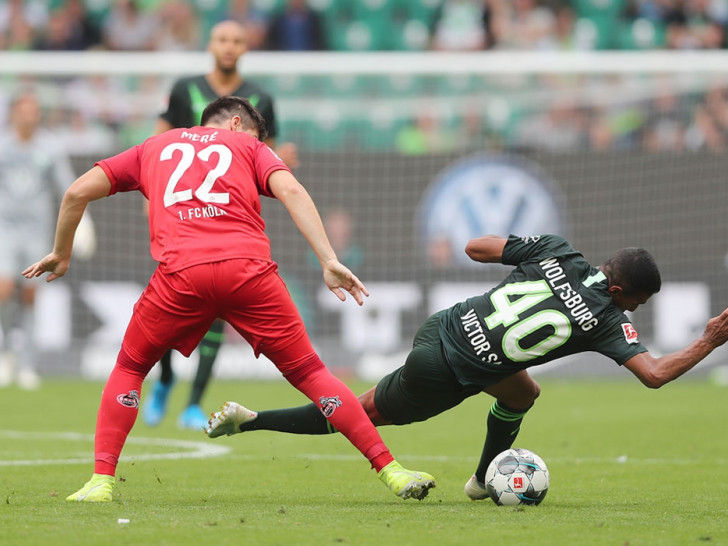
[(573, 301)]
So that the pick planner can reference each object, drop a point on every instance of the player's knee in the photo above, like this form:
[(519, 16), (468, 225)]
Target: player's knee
[(7, 288), (367, 401), (27, 295), (526, 396), (535, 391)]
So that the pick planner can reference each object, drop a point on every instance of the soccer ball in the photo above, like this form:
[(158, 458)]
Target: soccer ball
[(517, 476)]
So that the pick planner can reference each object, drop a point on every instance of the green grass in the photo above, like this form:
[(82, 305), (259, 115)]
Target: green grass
[(283, 489)]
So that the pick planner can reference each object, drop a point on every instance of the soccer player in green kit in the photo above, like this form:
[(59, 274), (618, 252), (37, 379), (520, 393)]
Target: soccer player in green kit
[(187, 100), (553, 304)]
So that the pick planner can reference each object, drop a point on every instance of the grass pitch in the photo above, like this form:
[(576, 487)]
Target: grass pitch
[(628, 466)]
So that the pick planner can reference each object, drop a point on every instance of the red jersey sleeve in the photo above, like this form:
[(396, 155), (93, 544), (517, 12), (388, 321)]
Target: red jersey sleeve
[(267, 162), (123, 170)]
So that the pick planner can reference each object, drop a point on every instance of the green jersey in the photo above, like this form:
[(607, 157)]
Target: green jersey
[(190, 96), (553, 304)]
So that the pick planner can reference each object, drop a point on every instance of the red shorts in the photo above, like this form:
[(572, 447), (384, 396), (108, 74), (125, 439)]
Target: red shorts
[(176, 310)]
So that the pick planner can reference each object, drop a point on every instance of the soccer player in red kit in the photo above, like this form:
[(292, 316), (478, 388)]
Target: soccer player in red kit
[(204, 185)]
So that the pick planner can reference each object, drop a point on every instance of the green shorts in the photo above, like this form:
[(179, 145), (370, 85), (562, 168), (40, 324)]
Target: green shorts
[(424, 386)]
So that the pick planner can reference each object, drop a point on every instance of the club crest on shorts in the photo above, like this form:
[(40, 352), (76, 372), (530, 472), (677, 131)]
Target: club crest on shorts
[(329, 405), (130, 399)]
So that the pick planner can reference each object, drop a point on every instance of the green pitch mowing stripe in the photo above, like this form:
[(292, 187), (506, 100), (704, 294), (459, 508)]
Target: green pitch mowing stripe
[(628, 466)]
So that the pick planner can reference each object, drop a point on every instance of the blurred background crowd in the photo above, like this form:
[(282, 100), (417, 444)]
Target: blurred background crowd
[(413, 115), (374, 25)]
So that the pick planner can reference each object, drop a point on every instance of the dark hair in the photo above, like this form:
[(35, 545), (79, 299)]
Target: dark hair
[(226, 107), (635, 270)]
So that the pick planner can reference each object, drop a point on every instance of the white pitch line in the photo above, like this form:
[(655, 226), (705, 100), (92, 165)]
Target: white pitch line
[(201, 450), (198, 450)]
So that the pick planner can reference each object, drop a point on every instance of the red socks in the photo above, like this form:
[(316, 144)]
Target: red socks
[(122, 392), (118, 411), (341, 407)]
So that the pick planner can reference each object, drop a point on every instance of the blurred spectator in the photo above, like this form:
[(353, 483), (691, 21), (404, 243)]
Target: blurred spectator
[(85, 137), (565, 37), (697, 24), (656, 11), (561, 128), (127, 28), (33, 12), (601, 136), (709, 127), (82, 25), (59, 35), (179, 28), (296, 28), (426, 134), (18, 35), (104, 99), (254, 22), (664, 129), (340, 227), (462, 25), (524, 25)]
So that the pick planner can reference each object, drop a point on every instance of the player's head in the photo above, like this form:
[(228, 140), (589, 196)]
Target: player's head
[(25, 113), (227, 44), (633, 277), (236, 114)]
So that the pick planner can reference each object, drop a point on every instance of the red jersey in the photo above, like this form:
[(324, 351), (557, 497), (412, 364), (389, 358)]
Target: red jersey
[(204, 186)]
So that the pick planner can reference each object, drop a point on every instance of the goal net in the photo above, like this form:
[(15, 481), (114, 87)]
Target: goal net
[(407, 157)]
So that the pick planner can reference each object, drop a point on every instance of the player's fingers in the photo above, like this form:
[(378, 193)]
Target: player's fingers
[(360, 285), (339, 293), (356, 294)]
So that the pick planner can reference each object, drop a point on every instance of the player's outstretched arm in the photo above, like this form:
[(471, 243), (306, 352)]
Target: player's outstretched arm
[(655, 372), (486, 249), (302, 209), (92, 185)]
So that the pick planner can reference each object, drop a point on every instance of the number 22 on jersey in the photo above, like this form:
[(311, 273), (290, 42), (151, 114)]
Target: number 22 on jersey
[(219, 158)]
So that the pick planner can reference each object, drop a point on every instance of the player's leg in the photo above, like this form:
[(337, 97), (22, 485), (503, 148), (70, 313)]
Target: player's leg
[(193, 417), (268, 319), (345, 413), (514, 397), (422, 388), (146, 339), (234, 418), (115, 419), (23, 342), (8, 312)]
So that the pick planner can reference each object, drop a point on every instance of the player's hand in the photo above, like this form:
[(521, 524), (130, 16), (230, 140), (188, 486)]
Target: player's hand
[(338, 276), (288, 154), (53, 263), (717, 329)]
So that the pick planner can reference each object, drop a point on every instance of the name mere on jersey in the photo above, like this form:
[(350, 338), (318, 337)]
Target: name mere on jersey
[(195, 137)]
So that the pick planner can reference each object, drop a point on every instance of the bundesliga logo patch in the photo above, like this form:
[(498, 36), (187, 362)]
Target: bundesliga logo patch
[(630, 334), (130, 400), (329, 405)]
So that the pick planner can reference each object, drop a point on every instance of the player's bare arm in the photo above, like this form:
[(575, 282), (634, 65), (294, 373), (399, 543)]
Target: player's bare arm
[(92, 185), (302, 209), (486, 249), (655, 372)]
